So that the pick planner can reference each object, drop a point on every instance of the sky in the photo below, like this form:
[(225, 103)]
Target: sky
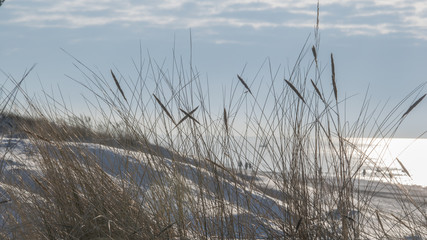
[(377, 44)]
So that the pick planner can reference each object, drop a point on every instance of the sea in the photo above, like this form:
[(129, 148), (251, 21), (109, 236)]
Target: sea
[(404, 158), (397, 160)]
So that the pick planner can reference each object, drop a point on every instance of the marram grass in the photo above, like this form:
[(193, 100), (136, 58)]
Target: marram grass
[(164, 165)]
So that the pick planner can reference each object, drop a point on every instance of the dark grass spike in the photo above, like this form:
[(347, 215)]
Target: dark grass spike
[(318, 11), (164, 109), (349, 218), (186, 115), (317, 90), (334, 84), (40, 185), (313, 49), (189, 115), (403, 168), (118, 85), (225, 120), (298, 224), (295, 90), (164, 229), (244, 84), (413, 106)]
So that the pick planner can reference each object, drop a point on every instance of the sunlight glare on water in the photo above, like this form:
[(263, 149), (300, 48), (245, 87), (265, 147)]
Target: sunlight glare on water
[(411, 152)]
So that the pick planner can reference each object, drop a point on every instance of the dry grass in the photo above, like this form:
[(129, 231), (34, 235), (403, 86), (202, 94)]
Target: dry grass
[(153, 178)]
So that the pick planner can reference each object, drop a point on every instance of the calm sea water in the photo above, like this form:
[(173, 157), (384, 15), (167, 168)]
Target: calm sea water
[(412, 153), (382, 159), (381, 164)]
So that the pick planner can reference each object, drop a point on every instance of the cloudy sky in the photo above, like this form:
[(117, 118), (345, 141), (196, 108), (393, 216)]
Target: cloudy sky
[(380, 44)]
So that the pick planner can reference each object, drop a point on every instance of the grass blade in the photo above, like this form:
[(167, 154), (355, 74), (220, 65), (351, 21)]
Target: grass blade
[(334, 84), (118, 85), (295, 90), (188, 115), (244, 84), (413, 106), (317, 90), (403, 168), (298, 224), (381, 223), (225, 121), (400, 221), (317, 18), (164, 229), (313, 49), (164, 109)]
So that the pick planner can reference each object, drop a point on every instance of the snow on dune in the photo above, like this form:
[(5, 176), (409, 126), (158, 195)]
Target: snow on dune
[(20, 165), (258, 204)]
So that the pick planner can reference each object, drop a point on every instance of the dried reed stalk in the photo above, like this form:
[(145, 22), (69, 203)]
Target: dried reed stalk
[(334, 84), (403, 167), (295, 90), (225, 121), (413, 106), (244, 84), (118, 85), (313, 49), (164, 109), (188, 115), (317, 90), (381, 223)]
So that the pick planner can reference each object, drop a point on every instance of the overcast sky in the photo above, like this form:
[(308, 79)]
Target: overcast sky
[(379, 43)]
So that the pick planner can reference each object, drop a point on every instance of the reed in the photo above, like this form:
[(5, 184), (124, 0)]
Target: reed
[(118, 85), (244, 84)]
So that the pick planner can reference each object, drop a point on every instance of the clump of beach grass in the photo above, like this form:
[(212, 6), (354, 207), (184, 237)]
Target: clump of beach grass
[(166, 165)]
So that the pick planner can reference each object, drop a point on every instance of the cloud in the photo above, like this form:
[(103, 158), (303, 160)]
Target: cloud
[(360, 17), (234, 42), (363, 29)]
